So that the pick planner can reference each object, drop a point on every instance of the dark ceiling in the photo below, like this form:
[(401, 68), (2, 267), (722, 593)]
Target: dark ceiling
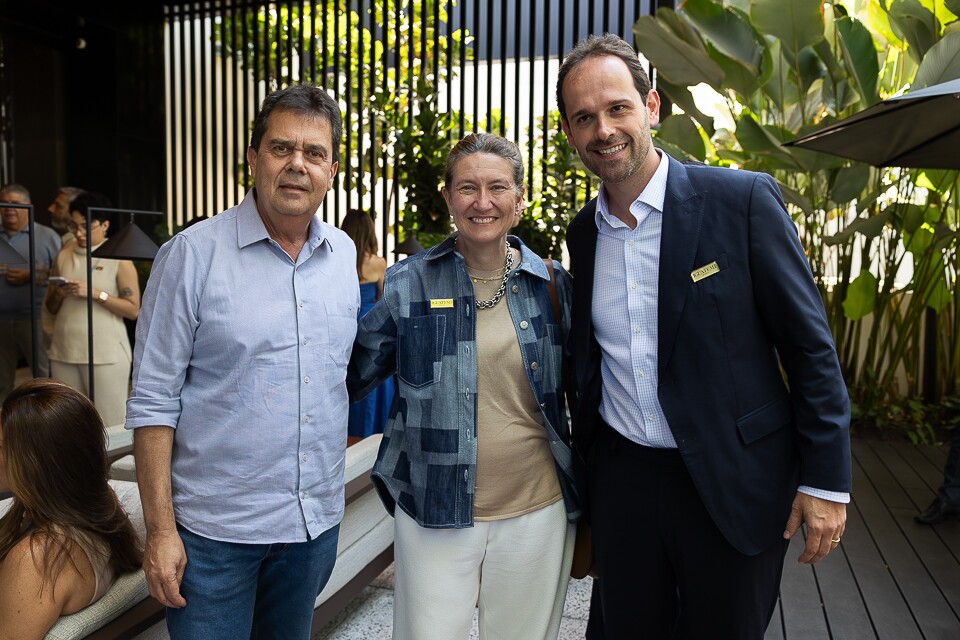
[(58, 23)]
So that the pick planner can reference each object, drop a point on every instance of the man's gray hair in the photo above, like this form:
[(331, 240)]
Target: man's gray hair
[(70, 192), (18, 189)]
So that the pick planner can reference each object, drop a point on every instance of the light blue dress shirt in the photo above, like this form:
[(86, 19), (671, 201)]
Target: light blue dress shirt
[(625, 303), (15, 300), (244, 352)]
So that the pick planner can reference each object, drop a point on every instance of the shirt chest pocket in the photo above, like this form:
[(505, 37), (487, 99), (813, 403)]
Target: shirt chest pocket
[(341, 329), (420, 349)]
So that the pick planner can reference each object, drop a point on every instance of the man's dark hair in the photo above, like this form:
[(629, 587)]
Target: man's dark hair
[(597, 46), (305, 99)]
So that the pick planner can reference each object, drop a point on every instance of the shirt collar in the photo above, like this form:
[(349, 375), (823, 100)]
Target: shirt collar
[(653, 195), (6, 236), (250, 227)]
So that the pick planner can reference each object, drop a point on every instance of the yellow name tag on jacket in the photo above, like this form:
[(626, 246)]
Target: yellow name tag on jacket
[(441, 303), (705, 271)]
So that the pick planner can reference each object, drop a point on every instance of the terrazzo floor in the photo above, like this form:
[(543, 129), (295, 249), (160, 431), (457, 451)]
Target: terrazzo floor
[(370, 615)]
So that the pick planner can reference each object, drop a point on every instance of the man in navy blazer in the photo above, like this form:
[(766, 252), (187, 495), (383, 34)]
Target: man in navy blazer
[(712, 416)]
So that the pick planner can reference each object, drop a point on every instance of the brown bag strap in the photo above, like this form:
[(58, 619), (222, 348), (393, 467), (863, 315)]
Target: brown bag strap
[(555, 303), (554, 299)]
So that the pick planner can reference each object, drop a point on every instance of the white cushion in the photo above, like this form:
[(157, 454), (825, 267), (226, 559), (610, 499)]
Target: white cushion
[(127, 591), (124, 469)]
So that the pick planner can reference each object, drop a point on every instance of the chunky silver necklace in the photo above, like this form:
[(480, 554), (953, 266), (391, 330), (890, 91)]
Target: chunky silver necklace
[(507, 267)]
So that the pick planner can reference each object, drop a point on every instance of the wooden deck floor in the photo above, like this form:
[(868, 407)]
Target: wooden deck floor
[(891, 578)]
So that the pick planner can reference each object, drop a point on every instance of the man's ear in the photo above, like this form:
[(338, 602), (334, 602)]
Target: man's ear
[(653, 107)]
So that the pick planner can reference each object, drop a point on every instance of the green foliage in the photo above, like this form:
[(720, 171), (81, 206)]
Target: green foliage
[(421, 154), (783, 68), (563, 186), (399, 99)]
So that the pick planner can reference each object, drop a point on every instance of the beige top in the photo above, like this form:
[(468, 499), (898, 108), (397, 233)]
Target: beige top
[(515, 472), (98, 553), (110, 341)]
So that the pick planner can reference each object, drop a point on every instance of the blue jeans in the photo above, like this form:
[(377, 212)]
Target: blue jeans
[(238, 591)]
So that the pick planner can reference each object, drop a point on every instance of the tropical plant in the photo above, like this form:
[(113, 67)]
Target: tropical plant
[(882, 243), (561, 187), (396, 126)]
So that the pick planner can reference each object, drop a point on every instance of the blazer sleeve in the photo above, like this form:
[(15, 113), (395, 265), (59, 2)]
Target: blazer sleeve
[(793, 312)]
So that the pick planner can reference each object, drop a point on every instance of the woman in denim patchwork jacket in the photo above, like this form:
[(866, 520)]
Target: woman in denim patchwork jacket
[(476, 451)]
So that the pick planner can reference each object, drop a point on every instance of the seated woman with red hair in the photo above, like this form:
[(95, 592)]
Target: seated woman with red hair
[(65, 538)]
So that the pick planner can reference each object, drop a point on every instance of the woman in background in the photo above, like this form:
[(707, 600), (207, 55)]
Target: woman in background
[(65, 538), (116, 295), (368, 416)]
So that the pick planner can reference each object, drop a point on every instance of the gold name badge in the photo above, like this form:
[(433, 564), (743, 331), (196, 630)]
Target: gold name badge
[(705, 271), (442, 303)]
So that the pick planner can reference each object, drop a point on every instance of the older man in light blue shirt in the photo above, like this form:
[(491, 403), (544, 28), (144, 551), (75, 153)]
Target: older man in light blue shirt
[(239, 401)]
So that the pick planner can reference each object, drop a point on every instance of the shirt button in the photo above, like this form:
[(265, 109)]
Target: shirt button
[(523, 324), (304, 457), (306, 379), (641, 373), (300, 303), (515, 289), (304, 341), (630, 244), (633, 286), (306, 418), (465, 477), (650, 417), (637, 330), (303, 495), (534, 366)]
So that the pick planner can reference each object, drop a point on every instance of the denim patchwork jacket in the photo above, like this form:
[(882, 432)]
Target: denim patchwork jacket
[(424, 329)]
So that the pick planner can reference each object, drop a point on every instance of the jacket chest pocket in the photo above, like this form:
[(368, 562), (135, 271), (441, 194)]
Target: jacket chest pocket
[(420, 349)]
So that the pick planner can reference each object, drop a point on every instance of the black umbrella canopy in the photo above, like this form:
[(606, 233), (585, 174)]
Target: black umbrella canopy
[(917, 129)]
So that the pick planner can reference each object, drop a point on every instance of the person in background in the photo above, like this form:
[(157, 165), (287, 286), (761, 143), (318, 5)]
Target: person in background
[(65, 538), (946, 504), (692, 302), (60, 221), (368, 416), (15, 318), (475, 463), (239, 404), (60, 212), (116, 295)]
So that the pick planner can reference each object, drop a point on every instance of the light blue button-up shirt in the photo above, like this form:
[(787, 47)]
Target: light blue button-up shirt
[(244, 352), (627, 269)]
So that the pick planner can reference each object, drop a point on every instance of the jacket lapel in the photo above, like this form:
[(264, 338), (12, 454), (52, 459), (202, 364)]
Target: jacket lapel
[(682, 217)]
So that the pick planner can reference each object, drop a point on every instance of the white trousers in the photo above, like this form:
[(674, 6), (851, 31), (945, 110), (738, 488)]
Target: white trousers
[(515, 570), (111, 384)]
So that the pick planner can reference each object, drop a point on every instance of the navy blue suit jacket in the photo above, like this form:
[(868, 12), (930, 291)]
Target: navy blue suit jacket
[(748, 437)]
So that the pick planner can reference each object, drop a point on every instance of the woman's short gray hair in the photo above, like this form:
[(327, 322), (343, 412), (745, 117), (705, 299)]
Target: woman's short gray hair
[(486, 143)]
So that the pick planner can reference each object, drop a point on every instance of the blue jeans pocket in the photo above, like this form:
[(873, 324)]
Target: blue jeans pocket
[(420, 349)]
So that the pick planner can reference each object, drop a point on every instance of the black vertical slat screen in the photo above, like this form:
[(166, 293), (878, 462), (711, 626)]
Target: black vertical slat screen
[(375, 57)]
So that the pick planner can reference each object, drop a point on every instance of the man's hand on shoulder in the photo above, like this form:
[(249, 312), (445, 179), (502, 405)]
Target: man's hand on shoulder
[(825, 521), (164, 559)]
